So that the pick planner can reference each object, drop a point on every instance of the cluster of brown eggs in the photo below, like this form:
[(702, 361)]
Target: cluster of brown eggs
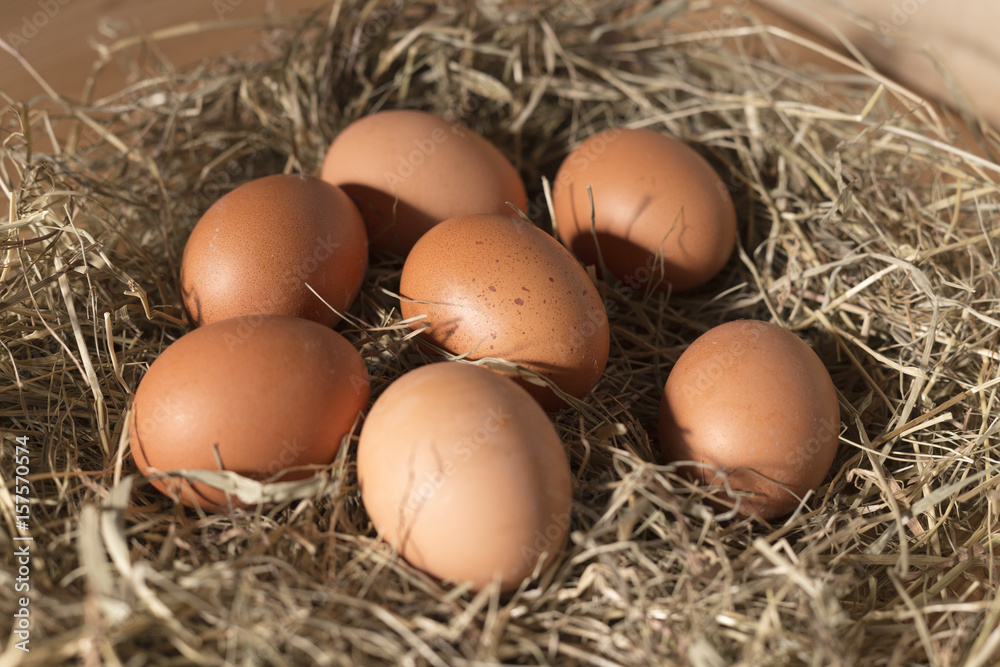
[(460, 468)]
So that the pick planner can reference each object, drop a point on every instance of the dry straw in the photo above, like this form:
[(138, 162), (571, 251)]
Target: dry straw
[(862, 228)]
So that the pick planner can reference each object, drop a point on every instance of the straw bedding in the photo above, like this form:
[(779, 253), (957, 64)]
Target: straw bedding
[(862, 229)]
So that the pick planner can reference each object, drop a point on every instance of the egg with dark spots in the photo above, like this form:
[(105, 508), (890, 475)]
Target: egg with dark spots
[(538, 309)]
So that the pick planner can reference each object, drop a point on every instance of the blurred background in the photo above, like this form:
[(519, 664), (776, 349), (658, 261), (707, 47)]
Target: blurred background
[(59, 37), (939, 48)]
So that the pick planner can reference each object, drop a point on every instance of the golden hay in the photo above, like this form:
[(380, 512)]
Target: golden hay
[(861, 229)]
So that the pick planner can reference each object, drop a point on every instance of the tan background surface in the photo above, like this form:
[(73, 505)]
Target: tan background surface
[(60, 47), (946, 49)]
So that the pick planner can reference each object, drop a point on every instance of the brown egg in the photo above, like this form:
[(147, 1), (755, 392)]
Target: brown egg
[(496, 286), (258, 394), (661, 213), (256, 249), (753, 400), (464, 475), (409, 170)]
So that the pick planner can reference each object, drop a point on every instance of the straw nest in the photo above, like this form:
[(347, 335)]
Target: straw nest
[(861, 229)]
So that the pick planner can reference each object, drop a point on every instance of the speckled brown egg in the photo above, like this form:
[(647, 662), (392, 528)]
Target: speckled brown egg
[(661, 214), (464, 475), (753, 401), (409, 170), (260, 248), (496, 286), (259, 395)]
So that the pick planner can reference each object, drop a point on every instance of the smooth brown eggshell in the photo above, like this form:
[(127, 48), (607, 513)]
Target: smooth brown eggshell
[(496, 286), (661, 213), (753, 400), (409, 170), (255, 250), (464, 475), (268, 392)]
